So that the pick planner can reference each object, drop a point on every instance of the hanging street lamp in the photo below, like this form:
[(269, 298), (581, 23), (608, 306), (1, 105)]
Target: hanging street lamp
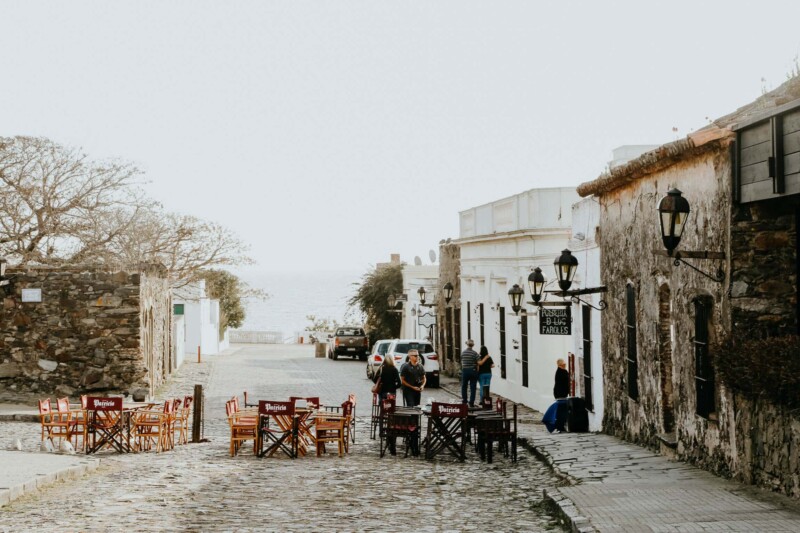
[(448, 292), (515, 294), (566, 265), (421, 293), (536, 284)]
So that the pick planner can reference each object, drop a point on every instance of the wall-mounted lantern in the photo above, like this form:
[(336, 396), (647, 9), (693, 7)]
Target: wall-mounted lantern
[(448, 292), (536, 284), (515, 294), (421, 292), (566, 265), (673, 211)]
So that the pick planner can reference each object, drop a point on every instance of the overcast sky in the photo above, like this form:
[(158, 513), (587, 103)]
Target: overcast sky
[(330, 134)]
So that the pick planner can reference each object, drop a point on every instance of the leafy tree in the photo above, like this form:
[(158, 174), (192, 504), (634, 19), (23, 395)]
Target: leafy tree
[(229, 290), (322, 324), (372, 298)]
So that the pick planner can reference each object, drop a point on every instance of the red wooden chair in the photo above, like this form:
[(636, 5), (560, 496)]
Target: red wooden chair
[(55, 425), (243, 428)]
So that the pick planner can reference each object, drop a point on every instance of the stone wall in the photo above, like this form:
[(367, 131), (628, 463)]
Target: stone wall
[(85, 335), (629, 232), (764, 265), (449, 271)]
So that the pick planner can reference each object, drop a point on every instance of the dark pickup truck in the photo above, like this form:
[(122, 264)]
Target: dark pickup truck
[(350, 341)]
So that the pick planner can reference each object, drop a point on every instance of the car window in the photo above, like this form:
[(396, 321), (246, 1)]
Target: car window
[(383, 348), (422, 347), (351, 331)]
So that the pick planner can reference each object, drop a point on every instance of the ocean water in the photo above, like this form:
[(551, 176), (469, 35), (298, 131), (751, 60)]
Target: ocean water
[(294, 295)]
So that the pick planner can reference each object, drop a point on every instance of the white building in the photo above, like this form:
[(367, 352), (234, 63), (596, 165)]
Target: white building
[(201, 319), (586, 321), (501, 242), (418, 320)]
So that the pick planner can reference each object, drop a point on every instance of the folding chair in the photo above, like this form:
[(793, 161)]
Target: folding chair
[(330, 427), (446, 430), (106, 425), (181, 425), (243, 427), (76, 423), (375, 419), (54, 424), (150, 428), (278, 429)]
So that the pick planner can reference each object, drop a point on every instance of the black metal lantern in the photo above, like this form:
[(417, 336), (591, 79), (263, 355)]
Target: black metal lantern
[(566, 266), (421, 292), (536, 284), (448, 292), (392, 300), (673, 210), (515, 294)]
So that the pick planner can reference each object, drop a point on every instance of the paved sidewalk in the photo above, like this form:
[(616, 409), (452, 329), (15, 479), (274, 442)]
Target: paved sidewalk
[(26, 472), (612, 485)]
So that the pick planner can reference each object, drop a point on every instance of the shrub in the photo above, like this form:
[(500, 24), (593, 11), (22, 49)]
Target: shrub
[(758, 367)]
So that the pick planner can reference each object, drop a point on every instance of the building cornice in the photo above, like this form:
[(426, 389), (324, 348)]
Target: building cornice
[(512, 235)]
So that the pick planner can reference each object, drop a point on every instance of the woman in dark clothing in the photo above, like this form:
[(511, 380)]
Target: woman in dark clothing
[(485, 365), (389, 376), (561, 391)]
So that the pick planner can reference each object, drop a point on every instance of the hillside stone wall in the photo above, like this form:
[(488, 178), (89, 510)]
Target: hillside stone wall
[(86, 334)]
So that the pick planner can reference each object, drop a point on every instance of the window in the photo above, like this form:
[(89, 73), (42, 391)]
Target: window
[(587, 356), (469, 322), (524, 340), (502, 342), (480, 318), (456, 347), (704, 372), (632, 356)]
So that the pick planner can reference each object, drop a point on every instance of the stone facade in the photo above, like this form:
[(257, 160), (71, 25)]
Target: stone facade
[(448, 335), (93, 331), (764, 274)]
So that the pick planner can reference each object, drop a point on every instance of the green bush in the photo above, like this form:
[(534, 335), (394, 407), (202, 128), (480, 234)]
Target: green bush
[(757, 367)]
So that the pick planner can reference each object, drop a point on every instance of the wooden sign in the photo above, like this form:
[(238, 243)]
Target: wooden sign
[(275, 408), (449, 410), (104, 404), (555, 321)]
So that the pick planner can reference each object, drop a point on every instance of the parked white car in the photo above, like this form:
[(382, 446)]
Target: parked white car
[(430, 359), (375, 358)]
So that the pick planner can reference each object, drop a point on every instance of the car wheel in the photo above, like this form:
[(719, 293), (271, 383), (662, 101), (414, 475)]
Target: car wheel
[(369, 371), (335, 356), (433, 382)]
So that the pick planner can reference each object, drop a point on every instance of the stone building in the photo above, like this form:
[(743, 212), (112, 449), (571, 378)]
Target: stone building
[(75, 329), (448, 313), (664, 319)]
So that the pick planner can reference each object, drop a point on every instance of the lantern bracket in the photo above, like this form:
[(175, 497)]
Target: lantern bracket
[(574, 296), (678, 257)]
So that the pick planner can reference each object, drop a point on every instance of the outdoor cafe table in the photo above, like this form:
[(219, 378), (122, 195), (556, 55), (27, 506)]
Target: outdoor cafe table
[(446, 427), (109, 422)]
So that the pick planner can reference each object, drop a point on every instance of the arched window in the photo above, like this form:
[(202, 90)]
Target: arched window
[(704, 371)]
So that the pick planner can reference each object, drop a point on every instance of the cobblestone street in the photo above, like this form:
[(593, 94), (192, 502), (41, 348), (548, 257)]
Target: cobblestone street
[(198, 487)]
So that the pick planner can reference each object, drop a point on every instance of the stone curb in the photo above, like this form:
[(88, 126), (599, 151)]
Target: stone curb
[(561, 506), (12, 417), (9, 494)]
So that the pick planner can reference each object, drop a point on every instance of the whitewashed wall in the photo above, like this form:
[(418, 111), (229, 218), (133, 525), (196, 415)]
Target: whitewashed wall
[(501, 242), (414, 277)]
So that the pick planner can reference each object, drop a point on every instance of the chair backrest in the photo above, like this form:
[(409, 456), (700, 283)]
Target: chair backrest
[(352, 399), (187, 402), (388, 405), (347, 408), (44, 406), (449, 410), (312, 401), (176, 404), (500, 406), (235, 401), (84, 401), (229, 408), (270, 408), (169, 407), (63, 405)]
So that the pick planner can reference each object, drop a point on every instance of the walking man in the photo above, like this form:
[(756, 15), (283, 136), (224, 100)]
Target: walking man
[(469, 373), (560, 392), (412, 376)]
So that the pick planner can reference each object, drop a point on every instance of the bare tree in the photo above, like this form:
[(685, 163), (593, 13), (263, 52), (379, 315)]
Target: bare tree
[(186, 245), (52, 197)]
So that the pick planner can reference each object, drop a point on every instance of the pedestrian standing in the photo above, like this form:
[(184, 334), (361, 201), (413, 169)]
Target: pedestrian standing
[(389, 378), (560, 392), (412, 376), (469, 373), (485, 366)]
